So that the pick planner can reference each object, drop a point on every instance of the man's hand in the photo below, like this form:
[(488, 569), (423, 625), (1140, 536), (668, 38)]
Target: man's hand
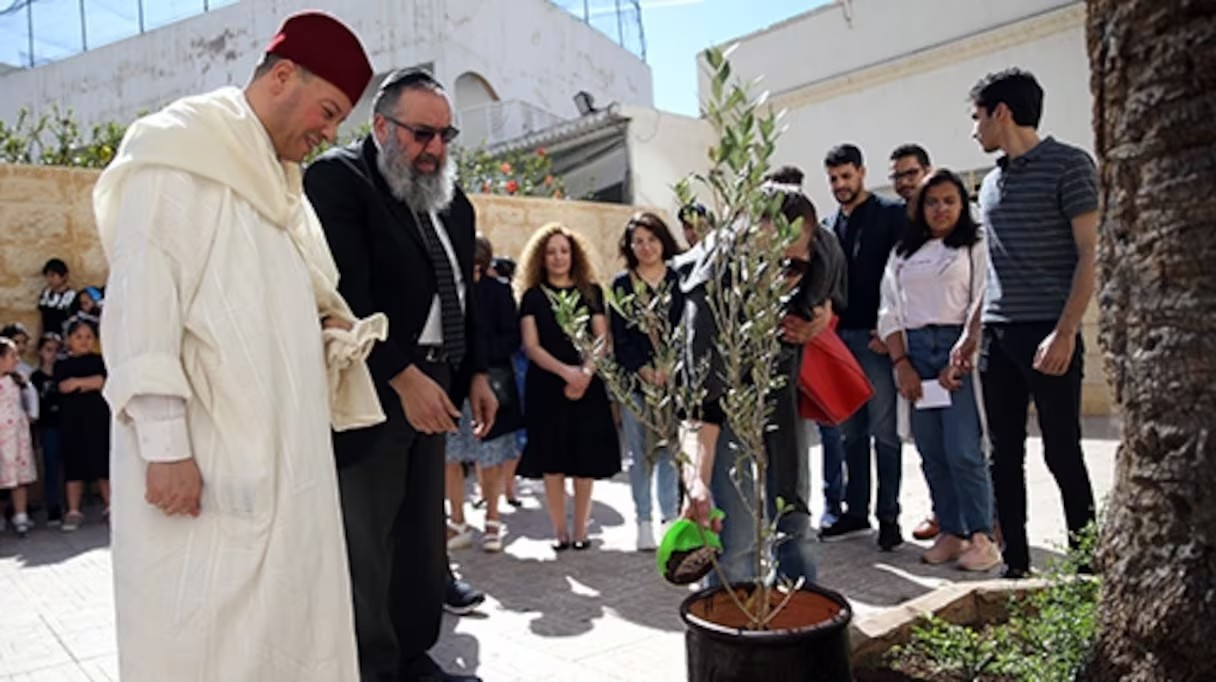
[(963, 354), (798, 331), (427, 406), (174, 487), (1055, 353), (700, 504), (876, 343), (484, 405), (908, 381), (330, 322)]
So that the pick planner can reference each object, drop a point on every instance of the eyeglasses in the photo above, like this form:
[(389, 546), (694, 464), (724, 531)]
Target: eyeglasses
[(424, 134), (905, 175)]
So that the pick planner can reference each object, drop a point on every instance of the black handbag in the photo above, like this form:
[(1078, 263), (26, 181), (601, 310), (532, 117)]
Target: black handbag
[(510, 417)]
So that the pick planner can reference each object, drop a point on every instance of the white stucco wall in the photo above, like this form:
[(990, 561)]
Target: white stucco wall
[(899, 74), (528, 50), (664, 148)]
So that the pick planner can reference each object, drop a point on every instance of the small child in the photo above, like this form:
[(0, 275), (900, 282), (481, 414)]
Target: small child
[(20, 336), (88, 305), (84, 419), (17, 468), (58, 299), (47, 429)]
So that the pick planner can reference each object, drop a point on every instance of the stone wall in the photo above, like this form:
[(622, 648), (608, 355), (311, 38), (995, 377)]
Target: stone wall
[(47, 212)]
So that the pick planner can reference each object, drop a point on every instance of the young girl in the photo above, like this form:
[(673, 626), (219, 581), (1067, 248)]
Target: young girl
[(17, 468), (43, 380), (84, 419), (931, 294)]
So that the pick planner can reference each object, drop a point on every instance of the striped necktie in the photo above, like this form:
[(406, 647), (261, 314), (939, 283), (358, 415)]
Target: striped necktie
[(451, 316)]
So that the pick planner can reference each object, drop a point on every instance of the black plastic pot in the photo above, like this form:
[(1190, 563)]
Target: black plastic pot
[(810, 652)]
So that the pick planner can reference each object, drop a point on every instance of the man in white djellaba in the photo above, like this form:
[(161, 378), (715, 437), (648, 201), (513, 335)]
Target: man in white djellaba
[(230, 356)]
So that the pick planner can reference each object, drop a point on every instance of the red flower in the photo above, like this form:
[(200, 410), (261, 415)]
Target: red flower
[(505, 168), (540, 151), (512, 186)]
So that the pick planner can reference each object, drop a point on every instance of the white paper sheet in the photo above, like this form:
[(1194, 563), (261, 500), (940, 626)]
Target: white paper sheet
[(932, 395)]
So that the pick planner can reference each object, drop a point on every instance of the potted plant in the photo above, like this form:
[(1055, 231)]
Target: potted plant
[(771, 627)]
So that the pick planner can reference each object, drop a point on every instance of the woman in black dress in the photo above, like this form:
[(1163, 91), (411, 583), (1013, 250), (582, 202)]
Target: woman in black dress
[(570, 427), (84, 419)]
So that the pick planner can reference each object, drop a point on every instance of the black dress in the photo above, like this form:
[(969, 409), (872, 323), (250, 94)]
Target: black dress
[(84, 420), (568, 437)]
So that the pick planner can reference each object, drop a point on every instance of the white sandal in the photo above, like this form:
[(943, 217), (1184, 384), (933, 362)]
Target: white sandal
[(491, 539), (460, 535)]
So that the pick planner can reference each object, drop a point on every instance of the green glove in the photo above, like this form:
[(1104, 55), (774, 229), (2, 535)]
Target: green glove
[(686, 552)]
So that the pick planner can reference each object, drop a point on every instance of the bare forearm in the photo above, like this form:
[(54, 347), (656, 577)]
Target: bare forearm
[(543, 359), (1078, 299)]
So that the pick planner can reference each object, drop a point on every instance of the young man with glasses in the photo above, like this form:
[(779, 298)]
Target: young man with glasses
[(402, 234), (909, 166)]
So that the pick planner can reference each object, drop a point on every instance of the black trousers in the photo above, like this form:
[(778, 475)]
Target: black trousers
[(392, 505), (1010, 380)]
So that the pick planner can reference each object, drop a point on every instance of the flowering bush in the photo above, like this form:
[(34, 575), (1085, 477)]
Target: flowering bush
[(521, 173)]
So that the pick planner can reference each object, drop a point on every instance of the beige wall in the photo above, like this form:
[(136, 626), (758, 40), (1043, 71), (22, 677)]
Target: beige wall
[(47, 212)]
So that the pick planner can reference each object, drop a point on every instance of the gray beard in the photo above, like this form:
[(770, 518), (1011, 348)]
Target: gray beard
[(422, 192)]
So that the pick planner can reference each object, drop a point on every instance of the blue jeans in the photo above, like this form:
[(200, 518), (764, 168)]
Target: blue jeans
[(874, 420), (52, 471), (641, 473), (950, 440), (796, 551), (833, 472)]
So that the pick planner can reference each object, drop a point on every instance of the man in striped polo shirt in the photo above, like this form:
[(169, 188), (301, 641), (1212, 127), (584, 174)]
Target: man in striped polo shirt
[(1040, 212)]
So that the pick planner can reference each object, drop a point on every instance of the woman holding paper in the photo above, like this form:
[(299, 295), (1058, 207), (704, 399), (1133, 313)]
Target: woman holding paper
[(931, 297)]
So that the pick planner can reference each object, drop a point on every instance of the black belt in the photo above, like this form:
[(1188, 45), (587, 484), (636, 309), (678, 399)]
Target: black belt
[(432, 354)]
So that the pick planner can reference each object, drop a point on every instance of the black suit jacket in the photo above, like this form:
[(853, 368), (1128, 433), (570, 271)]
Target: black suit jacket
[(384, 265)]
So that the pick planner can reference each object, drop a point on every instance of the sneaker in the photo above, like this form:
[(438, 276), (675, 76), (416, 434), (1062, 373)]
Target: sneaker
[(491, 539), (889, 536), (72, 521), (22, 524), (646, 537), (983, 555), (927, 529), (947, 548), (461, 599), (845, 527), (460, 535)]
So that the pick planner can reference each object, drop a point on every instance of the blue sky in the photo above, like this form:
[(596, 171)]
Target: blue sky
[(676, 30)]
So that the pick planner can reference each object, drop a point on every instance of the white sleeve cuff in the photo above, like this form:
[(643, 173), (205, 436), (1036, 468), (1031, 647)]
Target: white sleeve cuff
[(160, 427)]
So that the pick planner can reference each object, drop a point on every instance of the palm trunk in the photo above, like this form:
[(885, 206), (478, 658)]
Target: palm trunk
[(1154, 86)]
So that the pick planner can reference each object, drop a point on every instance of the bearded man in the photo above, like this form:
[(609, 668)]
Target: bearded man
[(229, 562), (402, 235)]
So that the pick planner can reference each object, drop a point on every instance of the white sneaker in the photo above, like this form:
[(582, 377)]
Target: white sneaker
[(460, 535), (646, 537), (22, 524)]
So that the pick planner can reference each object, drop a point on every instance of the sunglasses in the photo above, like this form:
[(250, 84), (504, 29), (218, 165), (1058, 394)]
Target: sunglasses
[(424, 134)]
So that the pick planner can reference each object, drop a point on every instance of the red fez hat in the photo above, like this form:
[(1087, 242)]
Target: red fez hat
[(325, 46)]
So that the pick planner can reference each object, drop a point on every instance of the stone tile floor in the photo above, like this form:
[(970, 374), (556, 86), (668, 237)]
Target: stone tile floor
[(590, 616)]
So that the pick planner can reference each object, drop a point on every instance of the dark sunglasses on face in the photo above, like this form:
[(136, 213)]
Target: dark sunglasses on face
[(795, 266), (424, 134)]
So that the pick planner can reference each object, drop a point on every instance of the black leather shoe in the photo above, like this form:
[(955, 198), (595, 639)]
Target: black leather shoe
[(889, 536), (461, 599), (425, 669)]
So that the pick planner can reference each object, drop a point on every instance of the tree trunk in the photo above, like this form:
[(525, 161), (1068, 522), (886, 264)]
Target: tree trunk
[(1154, 86)]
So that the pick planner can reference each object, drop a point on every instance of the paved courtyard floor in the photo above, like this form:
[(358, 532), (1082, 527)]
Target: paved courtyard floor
[(599, 615)]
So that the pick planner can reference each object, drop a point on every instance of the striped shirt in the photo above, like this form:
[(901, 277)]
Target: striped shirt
[(1027, 205)]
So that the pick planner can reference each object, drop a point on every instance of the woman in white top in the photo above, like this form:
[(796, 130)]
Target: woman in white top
[(931, 295)]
